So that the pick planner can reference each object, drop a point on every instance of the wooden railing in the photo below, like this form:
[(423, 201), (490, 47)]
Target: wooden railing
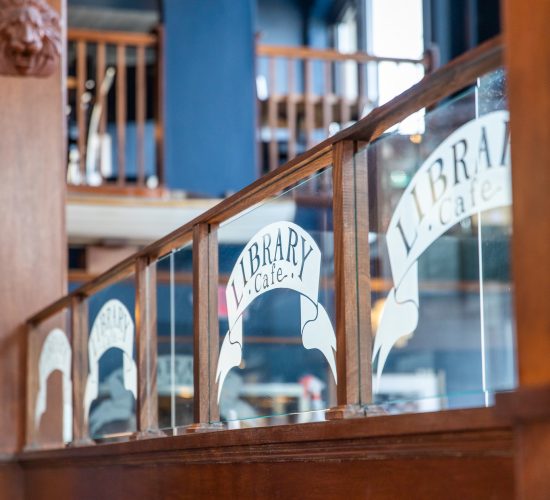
[(305, 95), (202, 234), (114, 84), (115, 93)]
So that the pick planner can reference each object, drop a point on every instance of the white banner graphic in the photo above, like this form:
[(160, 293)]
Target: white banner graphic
[(281, 255), (55, 355), (113, 328), (468, 173)]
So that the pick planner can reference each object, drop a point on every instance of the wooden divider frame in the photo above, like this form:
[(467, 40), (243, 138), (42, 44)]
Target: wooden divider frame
[(352, 280)]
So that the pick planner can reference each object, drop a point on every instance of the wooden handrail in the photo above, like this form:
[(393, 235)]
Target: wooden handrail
[(436, 86), (444, 82), (112, 37), (326, 55)]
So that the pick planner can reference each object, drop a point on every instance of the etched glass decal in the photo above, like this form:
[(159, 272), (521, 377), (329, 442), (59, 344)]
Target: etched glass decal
[(112, 328), (281, 255), (468, 173)]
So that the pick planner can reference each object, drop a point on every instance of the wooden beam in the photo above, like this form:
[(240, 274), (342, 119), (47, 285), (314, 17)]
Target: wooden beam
[(393, 429), (324, 54), (111, 37)]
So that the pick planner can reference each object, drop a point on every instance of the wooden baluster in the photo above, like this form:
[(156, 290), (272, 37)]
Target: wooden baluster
[(344, 103), (141, 92), (272, 115), (159, 106), (308, 98), (206, 330), (80, 108), (352, 278), (146, 348), (361, 89), (328, 97), (121, 112), (291, 108), (100, 75), (79, 369)]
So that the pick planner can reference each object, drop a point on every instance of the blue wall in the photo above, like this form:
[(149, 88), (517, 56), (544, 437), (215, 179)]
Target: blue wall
[(279, 22), (210, 95)]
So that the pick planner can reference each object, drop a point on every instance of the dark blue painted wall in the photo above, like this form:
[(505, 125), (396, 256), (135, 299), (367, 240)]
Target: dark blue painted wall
[(279, 22), (210, 95)]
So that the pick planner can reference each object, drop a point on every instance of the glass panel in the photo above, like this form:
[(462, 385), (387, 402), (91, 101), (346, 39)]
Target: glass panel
[(494, 231), (440, 228), (51, 410), (276, 309), (175, 338), (111, 386)]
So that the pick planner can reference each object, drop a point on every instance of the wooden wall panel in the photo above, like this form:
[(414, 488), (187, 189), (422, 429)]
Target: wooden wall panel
[(459, 454), (32, 223), (449, 477), (11, 483)]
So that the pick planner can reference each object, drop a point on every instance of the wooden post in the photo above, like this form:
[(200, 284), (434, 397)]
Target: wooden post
[(79, 375), (146, 347), (352, 281), (528, 64), (205, 325), (31, 368)]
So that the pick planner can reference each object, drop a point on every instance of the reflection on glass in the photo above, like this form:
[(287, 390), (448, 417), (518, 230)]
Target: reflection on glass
[(111, 386), (175, 338), (440, 222), (276, 309)]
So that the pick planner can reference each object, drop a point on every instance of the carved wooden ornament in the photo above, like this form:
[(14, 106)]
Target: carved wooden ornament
[(30, 38)]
